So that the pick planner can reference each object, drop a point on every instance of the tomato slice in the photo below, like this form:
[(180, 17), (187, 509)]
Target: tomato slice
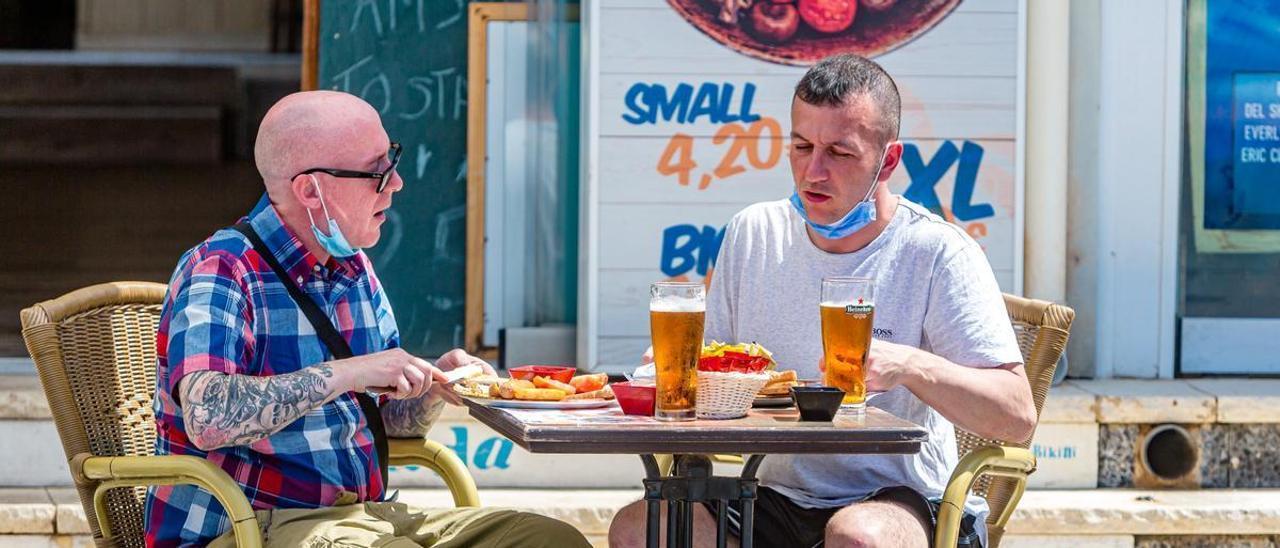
[(828, 16)]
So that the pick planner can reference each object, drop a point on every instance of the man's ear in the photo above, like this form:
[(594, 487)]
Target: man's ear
[(303, 188), (892, 158)]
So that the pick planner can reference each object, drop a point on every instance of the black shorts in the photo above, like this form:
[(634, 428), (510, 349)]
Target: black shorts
[(779, 522)]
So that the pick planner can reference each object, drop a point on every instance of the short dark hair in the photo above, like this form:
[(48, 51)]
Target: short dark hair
[(834, 79)]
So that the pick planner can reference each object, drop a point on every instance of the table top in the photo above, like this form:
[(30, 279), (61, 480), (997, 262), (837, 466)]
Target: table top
[(762, 431)]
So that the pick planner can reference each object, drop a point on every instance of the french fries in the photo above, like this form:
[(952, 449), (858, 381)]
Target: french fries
[(539, 394), (544, 382), (507, 390), (605, 393), (538, 389)]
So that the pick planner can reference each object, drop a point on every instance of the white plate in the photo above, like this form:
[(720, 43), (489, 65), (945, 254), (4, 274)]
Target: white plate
[(528, 404)]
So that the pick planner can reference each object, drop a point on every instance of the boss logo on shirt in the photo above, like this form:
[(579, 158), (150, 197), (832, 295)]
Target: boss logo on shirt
[(882, 333)]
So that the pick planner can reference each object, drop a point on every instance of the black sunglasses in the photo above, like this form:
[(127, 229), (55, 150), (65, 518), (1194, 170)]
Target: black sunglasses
[(393, 154)]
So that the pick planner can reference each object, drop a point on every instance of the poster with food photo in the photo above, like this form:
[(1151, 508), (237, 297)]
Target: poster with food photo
[(689, 122), (800, 32)]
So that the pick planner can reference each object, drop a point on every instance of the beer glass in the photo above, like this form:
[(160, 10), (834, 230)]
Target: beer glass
[(848, 308), (676, 311)]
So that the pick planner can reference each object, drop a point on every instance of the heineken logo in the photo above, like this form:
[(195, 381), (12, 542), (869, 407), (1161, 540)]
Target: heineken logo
[(859, 308)]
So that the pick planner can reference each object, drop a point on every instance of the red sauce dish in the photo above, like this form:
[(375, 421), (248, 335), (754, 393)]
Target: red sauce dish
[(635, 399), (553, 372)]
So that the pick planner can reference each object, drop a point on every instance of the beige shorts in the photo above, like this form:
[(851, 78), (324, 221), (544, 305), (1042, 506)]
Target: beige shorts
[(394, 524)]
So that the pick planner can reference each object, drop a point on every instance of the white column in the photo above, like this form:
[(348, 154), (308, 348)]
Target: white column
[(1137, 182), (1082, 187), (1048, 71)]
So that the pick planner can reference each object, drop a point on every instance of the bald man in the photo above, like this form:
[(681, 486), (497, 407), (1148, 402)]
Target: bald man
[(245, 380)]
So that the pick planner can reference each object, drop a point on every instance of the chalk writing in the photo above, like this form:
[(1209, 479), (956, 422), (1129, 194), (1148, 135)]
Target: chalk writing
[(384, 90), (445, 89), (424, 157), (369, 9), (454, 18), (407, 58)]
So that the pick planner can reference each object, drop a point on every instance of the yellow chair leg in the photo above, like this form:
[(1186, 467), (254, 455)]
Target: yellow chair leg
[(1011, 462), (113, 472)]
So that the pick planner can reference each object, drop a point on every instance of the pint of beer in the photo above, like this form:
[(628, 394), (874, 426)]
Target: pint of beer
[(676, 312), (848, 309)]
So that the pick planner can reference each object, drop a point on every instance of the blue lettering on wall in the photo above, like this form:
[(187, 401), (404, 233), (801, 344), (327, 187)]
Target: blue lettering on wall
[(687, 248), (632, 102), (459, 442), (925, 176), (649, 103), (494, 452), (1064, 452), (500, 456)]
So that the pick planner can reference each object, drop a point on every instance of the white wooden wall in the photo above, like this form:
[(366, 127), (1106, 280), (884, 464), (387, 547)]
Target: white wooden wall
[(959, 82)]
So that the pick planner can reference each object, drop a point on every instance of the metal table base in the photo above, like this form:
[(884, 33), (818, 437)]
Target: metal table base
[(691, 483)]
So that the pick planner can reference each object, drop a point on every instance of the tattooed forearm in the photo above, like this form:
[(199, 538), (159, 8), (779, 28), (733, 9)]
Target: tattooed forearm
[(221, 410), (411, 418)]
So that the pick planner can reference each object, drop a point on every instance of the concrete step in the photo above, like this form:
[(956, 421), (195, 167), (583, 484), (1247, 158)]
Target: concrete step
[(31, 82), (143, 94), (1101, 517), (111, 135)]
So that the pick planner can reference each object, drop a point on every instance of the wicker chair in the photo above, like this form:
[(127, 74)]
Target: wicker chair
[(996, 470), (95, 352)]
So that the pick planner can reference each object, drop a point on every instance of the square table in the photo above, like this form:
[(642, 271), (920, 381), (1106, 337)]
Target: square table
[(762, 431)]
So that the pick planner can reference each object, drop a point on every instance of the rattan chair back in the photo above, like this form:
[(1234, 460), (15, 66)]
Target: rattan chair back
[(1042, 329), (95, 351)]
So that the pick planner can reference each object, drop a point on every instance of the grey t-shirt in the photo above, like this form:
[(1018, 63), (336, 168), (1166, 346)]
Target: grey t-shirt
[(934, 290)]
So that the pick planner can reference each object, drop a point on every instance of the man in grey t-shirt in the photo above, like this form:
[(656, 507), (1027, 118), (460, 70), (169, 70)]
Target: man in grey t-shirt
[(944, 351)]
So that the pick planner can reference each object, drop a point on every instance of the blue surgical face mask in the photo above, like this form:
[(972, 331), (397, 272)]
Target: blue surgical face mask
[(335, 242), (862, 214)]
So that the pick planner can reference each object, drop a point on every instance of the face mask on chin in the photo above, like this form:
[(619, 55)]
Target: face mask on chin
[(862, 214), (335, 242)]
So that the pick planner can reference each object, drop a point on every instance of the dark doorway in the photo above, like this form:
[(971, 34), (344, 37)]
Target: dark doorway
[(37, 24)]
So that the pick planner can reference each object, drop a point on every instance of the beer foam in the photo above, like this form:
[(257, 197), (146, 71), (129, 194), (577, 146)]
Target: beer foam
[(844, 303), (677, 304)]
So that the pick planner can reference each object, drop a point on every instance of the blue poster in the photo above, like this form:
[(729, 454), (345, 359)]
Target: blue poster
[(1242, 115)]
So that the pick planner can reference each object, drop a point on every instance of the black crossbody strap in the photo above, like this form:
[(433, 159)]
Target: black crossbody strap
[(328, 334)]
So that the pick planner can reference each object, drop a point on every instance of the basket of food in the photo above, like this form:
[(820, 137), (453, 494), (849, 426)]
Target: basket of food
[(729, 377)]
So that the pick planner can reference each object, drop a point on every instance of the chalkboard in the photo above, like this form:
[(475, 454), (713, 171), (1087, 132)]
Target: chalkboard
[(408, 58)]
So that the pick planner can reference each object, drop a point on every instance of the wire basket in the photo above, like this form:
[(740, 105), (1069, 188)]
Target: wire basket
[(727, 395)]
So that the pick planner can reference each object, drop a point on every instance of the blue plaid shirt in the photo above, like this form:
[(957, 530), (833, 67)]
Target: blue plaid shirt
[(227, 311)]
